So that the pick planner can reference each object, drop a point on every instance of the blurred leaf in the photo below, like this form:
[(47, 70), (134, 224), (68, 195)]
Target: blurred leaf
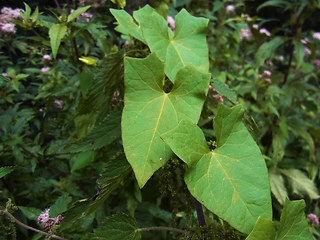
[(76, 13), (274, 3), (6, 170), (120, 3), (278, 188), (105, 132), (299, 53), (266, 50), (293, 222), (225, 91), (60, 205), (86, 79), (300, 132), (264, 229), (89, 61), (82, 160), (118, 227), (111, 177), (26, 14), (100, 93), (300, 183), (30, 212), (56, 34)]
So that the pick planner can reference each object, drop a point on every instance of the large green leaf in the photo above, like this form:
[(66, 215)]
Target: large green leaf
[(6, 170), (118, 227), (149, 111), (56, 34), (293, 222), (186, 46), (263, 230), (231, 180), (127, 25)]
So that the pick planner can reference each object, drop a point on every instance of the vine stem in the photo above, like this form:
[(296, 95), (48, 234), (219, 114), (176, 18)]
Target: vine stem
[(200, 214), (162, 228), (28, 227)]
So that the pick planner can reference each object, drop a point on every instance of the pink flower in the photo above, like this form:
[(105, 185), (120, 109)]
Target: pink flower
[(314, 218), (265, 31), (307, 51), (267, 73), (230, 8), (281, 58), (4, 74), (317, 62), (269, 63), (218, 97), (8, 27), (255, 26), (245, 33), (268, 80), (46, 57), (316, 35), (44, 217), (171, 23), (58, 104), (45, 69), (126, 42), (48, 222)]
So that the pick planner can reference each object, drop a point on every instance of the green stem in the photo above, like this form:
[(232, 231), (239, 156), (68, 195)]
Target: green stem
[(161, 229), (28, 227)]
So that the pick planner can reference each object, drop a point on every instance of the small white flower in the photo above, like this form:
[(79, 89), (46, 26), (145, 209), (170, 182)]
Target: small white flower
[(230, 8)]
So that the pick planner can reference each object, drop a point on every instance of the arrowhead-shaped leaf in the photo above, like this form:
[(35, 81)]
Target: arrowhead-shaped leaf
[(293, 222), (127, 25), (56, 34), (150, 112), (77, 13), (263, 230), (118, 227), (232, 180), (187, 45)]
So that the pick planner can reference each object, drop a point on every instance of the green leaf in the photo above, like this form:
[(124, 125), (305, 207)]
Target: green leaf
[(274, 3), (60, 205), (231, 180), (30, 212), (105, 132), (299, 52), (127, 25), (300, 183), (266, 50), (225, 91), (186, 46), (26, 14), (149, 111), (110, 179), (278, 188), (82, 160), (100, 93), (293, 222), (120, 3), (263, 230), (77, 13), (118, 227), (6, 170), (56, 34)]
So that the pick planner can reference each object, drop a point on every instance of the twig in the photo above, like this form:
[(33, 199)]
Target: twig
[(162, 228), (31, 228), (58, 6)]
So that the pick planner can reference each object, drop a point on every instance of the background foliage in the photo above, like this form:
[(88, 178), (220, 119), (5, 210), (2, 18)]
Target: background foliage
[(60, 134)]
